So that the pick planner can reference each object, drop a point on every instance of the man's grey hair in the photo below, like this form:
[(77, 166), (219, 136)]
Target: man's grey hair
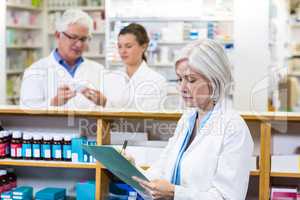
[(73, 16)]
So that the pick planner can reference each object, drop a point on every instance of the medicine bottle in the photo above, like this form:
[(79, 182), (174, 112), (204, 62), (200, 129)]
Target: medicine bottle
[(2, 146), (4, 185), (46, 147), (67, 153), (57, 148), (16, 145), (12, 178), (27, 146), (132, 195), (36, 147), (6, 137)]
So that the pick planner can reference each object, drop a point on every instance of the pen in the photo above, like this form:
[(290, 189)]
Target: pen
[(124, 146)]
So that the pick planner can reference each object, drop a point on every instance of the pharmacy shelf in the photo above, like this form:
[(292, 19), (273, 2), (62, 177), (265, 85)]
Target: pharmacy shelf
[(295, 25), (95, 56), (296, 74), (171, 19), (13, 97), (23, 7), (55, 164), (84, 8), (14, 72), (255, 173), (93, 33), (98, 33), (24, 47), (189, 41), (23, 27), (286, 174)]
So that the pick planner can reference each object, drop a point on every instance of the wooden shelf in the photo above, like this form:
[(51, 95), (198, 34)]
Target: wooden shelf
[(296, 74), (172, 19), (84, 8), (23, 47), (295, 25), (23, 7), (286, 174), (93, 33), (255, 173), (189, 41), (98, 33), (96, 56), (23, 27), (14, 72), (52, 164), (13, 97)]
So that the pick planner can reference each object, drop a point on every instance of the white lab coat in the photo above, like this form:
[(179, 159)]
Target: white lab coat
[(216, 164), (42, 79), (144, 91)]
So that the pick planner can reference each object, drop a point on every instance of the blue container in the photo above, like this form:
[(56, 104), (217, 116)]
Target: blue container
[(85, 190), (51, 194), (77, 151)]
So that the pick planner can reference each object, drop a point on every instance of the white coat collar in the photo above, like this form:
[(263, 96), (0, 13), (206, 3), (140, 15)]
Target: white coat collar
[(220, 108), (139, 72), (56, 65)]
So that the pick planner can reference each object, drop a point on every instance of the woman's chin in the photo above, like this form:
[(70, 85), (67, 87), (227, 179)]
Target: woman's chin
[(188, 103)]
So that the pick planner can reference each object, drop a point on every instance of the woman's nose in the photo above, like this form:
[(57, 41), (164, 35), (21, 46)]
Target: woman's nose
[(183, 86)]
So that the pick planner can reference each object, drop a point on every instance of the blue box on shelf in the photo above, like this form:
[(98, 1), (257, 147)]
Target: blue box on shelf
[(77, 151), (85, 190), (51, 193), (23, 193)]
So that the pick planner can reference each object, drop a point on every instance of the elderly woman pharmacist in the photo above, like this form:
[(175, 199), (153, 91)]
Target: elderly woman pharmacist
[(209, 155)]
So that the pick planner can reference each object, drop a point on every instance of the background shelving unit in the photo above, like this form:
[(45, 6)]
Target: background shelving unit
[(163, 48), (23, 33), (165, 45)]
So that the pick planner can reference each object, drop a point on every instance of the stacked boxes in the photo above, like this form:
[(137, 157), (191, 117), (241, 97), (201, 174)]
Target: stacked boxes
[(85, 190), (51, 194), (22, 193)]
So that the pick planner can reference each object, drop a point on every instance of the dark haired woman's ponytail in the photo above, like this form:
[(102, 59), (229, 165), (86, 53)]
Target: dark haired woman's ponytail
[(144, 57)]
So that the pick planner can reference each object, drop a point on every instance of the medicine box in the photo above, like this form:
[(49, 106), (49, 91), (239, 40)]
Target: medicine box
[(85, 190), (23, 193), (77, 151), (285, 163), (51, 194)]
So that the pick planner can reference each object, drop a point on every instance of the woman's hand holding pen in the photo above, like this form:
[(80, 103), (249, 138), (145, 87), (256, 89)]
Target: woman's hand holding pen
[(126, 155)]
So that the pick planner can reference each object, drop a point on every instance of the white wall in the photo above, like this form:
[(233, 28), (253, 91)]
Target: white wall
[(2, 52), (251, 54)]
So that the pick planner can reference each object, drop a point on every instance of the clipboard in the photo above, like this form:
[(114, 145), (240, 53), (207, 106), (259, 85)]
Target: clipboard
[(110, 158)]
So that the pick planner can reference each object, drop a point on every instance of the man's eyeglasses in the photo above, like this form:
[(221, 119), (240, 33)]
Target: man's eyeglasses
[(74, 38)]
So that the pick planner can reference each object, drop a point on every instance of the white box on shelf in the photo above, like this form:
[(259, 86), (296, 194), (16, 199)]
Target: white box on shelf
[(143, 156), (119, 137), (285, 163)]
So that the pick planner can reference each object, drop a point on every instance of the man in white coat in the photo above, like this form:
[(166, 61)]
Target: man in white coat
[(65, 78)]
